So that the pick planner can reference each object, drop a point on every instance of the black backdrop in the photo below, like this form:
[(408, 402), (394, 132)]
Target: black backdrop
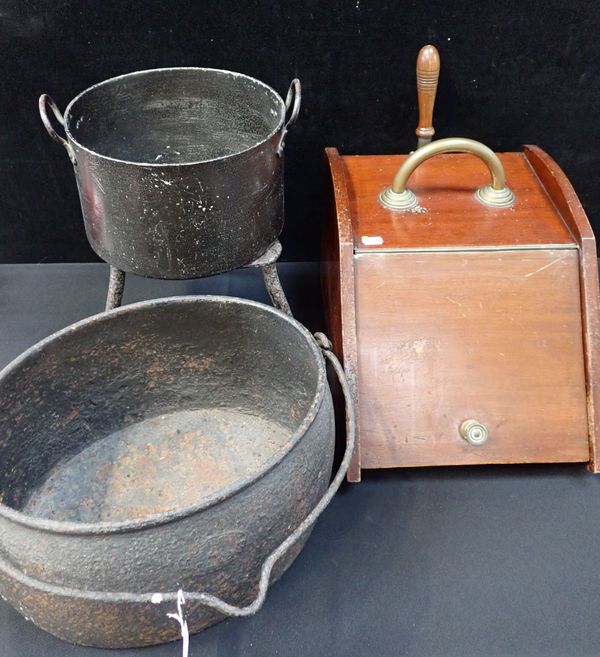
[(512, 73)]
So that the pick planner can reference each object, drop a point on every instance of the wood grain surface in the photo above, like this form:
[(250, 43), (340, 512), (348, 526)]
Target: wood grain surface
[(565, 199), (449, 215), (444, 337)]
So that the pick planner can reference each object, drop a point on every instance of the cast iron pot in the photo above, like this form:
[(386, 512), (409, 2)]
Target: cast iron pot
[(179, 170), (184, 443)]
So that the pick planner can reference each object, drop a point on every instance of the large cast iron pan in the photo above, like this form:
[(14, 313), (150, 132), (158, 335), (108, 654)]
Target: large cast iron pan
[(184, 443)]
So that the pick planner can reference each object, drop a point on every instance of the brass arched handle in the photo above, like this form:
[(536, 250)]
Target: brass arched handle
[(398, 197)]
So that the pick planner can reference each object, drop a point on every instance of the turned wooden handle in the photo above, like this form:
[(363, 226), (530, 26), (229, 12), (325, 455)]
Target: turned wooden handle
[(428, 72)]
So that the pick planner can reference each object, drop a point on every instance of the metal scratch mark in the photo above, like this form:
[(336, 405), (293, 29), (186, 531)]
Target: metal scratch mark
[(98, 183)]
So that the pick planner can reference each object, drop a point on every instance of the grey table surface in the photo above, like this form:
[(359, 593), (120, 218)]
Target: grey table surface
[(483, 561)]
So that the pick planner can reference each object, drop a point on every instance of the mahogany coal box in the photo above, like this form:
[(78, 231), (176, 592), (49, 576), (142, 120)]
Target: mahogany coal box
[(469, 332)]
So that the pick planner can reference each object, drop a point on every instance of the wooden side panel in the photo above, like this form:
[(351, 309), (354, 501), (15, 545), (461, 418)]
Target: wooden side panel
[(565, 199), (448, 336), (337, 279)]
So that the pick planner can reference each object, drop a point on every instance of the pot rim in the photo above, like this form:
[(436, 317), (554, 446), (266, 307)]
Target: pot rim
[(79, 145), (151, 520)]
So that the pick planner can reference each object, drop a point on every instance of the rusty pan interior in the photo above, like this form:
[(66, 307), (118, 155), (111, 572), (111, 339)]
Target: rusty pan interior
[(151, 409), (174, 116)]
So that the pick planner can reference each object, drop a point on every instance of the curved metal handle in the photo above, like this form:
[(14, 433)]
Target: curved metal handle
[(44, 100), (265, 573), (295, 93), (496, 194)]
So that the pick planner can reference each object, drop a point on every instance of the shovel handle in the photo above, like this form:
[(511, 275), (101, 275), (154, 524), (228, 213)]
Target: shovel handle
[(428, 73)]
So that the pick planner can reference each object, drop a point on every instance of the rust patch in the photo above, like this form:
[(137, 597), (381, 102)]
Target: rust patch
[(158, 465), (69, 417)]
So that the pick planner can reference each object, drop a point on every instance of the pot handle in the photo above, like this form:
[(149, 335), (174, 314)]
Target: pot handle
[(295, 93), (231, 610), (44, 100)]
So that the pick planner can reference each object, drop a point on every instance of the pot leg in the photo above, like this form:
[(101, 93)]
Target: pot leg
[(273, 285), (267, 263), (116, 283)]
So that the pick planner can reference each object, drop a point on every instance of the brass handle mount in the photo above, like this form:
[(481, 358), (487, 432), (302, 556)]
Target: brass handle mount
[(496, 194)]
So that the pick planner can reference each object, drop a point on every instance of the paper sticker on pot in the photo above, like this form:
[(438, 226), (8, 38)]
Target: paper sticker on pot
[(371, 240)]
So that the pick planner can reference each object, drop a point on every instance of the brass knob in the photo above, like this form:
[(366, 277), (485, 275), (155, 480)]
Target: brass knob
[(474, 432)]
